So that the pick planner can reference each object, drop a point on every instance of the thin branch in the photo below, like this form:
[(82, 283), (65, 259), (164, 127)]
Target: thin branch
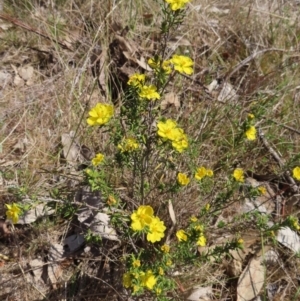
[(285, 126), (250, 58), (280, 161), (36, 31)]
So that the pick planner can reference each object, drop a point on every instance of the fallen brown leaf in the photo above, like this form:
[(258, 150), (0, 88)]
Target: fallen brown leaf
[(170, 99)]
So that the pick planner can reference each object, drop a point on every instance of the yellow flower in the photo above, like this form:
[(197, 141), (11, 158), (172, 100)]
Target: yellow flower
[(176, 134), (136, 288), (136, 263), (13, 212), (181, 143), (262, 190), (251, 133), (141, 218), (128, 145), (182, 179), (127, 279), (137, 275), (156, 230), (98, 159), (166, 65), (89, 172), (100, 114), (182, 64), (238, 175), (161, 271), (169, 130), (148, 280), (136, 80), (296, 225), (193, 219), (201, 241), (158, 291), (169, 262), (165, 248), (158, 65), (177, 4), (199, 228), (209, 173), (181, 235), (153, 63), (111, 200), (293, 221), (251, 116), (165, 128), (149, 92), (207, 207), (240, 242), (201, 172), (296, 173)]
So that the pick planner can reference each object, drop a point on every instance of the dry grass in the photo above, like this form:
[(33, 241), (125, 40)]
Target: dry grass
[(218, 37)]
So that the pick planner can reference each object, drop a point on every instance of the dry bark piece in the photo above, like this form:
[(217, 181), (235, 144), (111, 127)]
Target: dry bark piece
[(71, 148), (92, 199), (90, 202), (289, 239), (100, 226), (56, 254), (170, 99), (143, 64), (263, 203), (90, 218), (54, 273), (34, 213), (36, 269), (171, 212), (224, 92), (227, 93), (74, 242), (270, 256), (201, 294), (235, 268), (251, 280)]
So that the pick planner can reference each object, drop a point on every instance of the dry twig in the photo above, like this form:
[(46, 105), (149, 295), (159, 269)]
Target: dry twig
[(280, 161), (27, 27)]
